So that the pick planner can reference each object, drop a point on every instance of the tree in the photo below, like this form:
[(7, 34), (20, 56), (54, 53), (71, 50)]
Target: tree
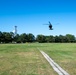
[(62, 38), (70, 38), (12, 36), (30, 37), (40, 38), (1, 37), (57, 39), (47, 39), (17, 39), (50, 39), (6, 37), (23, 37)]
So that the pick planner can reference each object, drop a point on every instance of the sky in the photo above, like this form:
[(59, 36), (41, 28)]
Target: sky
[(30, 16)]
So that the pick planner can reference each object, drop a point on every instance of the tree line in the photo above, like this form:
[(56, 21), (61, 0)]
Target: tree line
[(10, 37)]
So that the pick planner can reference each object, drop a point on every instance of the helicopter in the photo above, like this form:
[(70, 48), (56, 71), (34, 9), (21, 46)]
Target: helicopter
[(50, 25)]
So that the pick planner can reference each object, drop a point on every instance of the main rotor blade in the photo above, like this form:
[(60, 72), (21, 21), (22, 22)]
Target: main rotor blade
[(45, 24)]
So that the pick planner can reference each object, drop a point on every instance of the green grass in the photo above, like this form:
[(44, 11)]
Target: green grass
[(64, 54), (25, 59)]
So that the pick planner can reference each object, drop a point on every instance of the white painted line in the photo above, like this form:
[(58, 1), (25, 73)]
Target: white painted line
[(54, 65)]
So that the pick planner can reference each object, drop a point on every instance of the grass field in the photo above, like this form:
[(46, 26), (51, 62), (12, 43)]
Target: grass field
[(26, 59)]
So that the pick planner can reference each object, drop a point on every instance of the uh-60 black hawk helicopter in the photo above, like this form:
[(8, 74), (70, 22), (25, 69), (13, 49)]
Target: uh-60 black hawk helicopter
[(50, 25)]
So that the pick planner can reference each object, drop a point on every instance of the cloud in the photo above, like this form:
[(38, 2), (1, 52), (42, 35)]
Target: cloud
[(13, 31)]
